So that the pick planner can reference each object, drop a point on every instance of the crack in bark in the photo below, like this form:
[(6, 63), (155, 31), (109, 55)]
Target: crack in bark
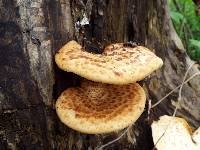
[(13, 110)]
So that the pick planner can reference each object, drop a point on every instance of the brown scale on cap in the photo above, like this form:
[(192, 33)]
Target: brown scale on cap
[(118, 64), (100, 108)]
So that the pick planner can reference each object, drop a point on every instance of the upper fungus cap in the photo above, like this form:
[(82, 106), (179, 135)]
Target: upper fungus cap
[(118, 64), (100, 108)]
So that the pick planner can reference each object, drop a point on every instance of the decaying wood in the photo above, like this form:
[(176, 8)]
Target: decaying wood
[(31, 31)]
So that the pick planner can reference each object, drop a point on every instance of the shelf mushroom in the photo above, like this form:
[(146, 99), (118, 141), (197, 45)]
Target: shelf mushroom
[(117, 65), (100, 108), (112, 100)]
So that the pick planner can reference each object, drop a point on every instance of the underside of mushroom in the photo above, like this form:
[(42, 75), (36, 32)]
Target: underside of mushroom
[(174, 133)]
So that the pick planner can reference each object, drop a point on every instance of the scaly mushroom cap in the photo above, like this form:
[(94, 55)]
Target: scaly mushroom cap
[(117, 65), (100, 108)]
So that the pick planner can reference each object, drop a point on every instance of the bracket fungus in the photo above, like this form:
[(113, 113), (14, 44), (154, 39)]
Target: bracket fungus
[(100, 108), (112, 100), (118, 64)]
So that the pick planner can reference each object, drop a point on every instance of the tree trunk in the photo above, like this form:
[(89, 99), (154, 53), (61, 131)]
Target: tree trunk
[(31, 31)]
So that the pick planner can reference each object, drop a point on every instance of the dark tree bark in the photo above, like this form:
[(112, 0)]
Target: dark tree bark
[(31, 31)]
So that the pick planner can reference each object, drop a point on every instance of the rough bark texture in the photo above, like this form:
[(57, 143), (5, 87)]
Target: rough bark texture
[(31, 31)]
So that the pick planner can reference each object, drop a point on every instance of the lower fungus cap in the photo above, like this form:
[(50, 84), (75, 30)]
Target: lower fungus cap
[(97, 108)]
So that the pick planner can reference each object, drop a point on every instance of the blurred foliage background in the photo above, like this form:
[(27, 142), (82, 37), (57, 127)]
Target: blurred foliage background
[(187, 24)]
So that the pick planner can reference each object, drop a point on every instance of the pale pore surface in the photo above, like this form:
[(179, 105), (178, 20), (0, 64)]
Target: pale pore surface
[(196, 138), (117, 65), (100, 108), (178, 135)]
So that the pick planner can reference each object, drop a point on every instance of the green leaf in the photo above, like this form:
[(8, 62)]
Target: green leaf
[(194, 43), (176, 16), (194, 49), (195, 54)]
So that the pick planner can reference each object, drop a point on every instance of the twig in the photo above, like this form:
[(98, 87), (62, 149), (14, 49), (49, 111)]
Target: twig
[(179, 99), (149, 109), (115, 140), (190, 78), (161, 136), (180, 90), (181, 85)]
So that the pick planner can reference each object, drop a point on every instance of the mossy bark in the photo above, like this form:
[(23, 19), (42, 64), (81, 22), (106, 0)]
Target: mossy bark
[(31, 31)]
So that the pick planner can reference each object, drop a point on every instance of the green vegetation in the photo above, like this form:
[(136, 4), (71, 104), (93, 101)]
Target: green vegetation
[(187, 25)]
